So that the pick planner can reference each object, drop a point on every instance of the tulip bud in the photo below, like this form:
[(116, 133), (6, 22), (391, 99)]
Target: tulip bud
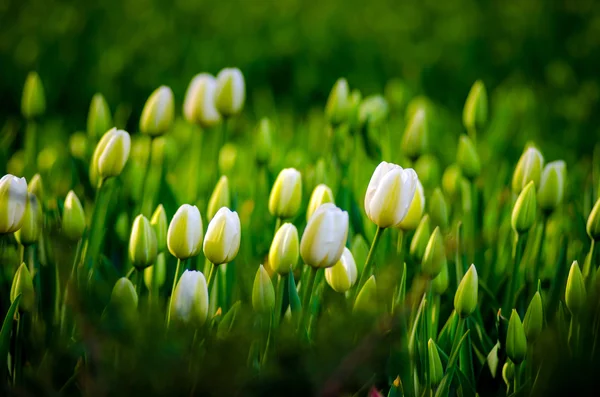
[(476, 107), (415, 140), (373, 110), (73, 218), (184, 237), (23, 285), (158, 270), (325, 236), (435, 255), (342, 276), (451, 180), (420, 239), (285, 249), (124, 298), (321, 194), (230, 92), (575, 294), (336, 109), (220, 197), (438, 209), (441, 281), (78, 145), (427, 167), (354, 102), (467, 158), (111, 155), (263, 293), (552, 185), (222, 240), (534, 318), (13, 201), (465, 299), (190, 300), (264, 141), (33, 102), (436, 371), (524, 211), (142, 243), (160, 224), (36, 187), (286, 194), (593, 222), (227, 158), (99, 119), (516, 341), (508, 372), (158, 112), (199, 104), (389, 194), (30, 229), (366, 300), (415, 211), (529, 168)]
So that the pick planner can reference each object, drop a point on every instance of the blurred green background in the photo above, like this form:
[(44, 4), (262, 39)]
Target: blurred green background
[(292, 51)]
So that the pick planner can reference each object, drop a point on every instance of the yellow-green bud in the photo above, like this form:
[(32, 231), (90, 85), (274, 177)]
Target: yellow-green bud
[(222, 240), (415, 140), (263, 293), (73, 218), (33, 102), (325, 236), (142, 243), (529, 168), (30, 229), (285, 249), (199, 104), (286, 194), (230, 92), (420, 239), (467, 158), (321, 194), (534, 318), (111, 155), (441, 281), (516, 341), (575, 294), (438, 209), (342, 276), (373, 110), (336, 109), (184, 237), (476, 107), (436, 371), (158, 270), (227, 158), (160, 225), (593, 222), (552, 185), (264, 141), (220, 197), (190, 300), (427, 167), (524, 211), (451, 180), (158, 112), (78, 145), (366, 300), (99, 119), (124, 298), (508, 372), (13, 201), (415, 211), (354, 102), (36, 187), (465, 299), (434, 258), (23, 285)]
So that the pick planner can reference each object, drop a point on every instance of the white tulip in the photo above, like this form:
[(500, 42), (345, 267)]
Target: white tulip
[(342, 276), (184, 237), (13, 201), (222, 240), (230, 92), (199, 105), (325, 236), (190, 301)]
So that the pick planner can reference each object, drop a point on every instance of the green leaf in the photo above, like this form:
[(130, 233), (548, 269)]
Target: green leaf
[(227, 322), (465, 385), (295, 305), (5, 334)]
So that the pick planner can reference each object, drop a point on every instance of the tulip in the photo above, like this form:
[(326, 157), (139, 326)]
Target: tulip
[(552, 185), (156, 273), (593, 222), (199, 104), (575, 294), (111, 155), (476, 107), (285, 248), (158, 112), (33, 102), (451, 180), (415, 211), (465, 299), (436, 371), (23, 285), (227, 158), (264, 141), (516, 341), (529, 168), (534, 318), (418, 244), (389, 194), (373, 111), (263, 293), (441, 281), (434, 258), (13, 201), (343, 275), (230, 92), (321, 194), (324, 237), (36, 187), (354, 101), (222, 240), (99, 119), (219, 198), (366, 301), (467, 158), (184, 237), (124, 298), (439, 209), (142, 243), (30, 229), (73, 218), (286, 194), (336, 109), (524, 211), (508, 372), (160, 225), (189, 304), (415, 138)]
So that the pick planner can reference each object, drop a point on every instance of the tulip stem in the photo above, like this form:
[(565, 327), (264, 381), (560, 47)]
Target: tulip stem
[(517, 376), (277, 224), (139, 281), (281, 282), (538, 257), (519, 248), (97, 227), (139, 207), (211, 278), (175, 277), (590, 260), (366, 273), (307, 293), (130, 272), (18, 350), (70, 285)]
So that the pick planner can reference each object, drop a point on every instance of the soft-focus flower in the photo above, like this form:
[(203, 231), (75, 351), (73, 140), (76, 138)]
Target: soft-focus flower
[(99, 119), (13, 201), (23, 285), (552, 185), (33, 102), (230, 92), (73, 218), (263, 293), (321, 194), (219, 198), (111, 155), (142, 243), (336, 109), (476, 107), (190, 301), (30, 229), (286, 194), (529, 168), (160, 225), (199, 104), (159, 111), (524, 211)]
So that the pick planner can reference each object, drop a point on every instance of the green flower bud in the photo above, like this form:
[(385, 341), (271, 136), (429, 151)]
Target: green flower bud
[(190, 300), (436, 371), (123, 297), (575, 294), (111, 155), (220, 197), (593, 222), (451, 180), (324, 237), (354, 102), (427, 167), (529, 168), (476, 107), (184, 237), (158, 113), (321, 194), (222, 240), (285, 249), (230, 92), (508, 372), (142, 243), (263, 293), (434, 258), (78, 145), (264, 141), (524, 211), (158, 270), (23, 285), (534, 318), (99, 119), (33, 102), (342, 276), (415, 140), (467, 158), (516, 341), (30, 229), (441, 281), (73, 218), (199, 104), (438, 209), (552, 185), (366, 300), (227, 158), (13, 202), (286, 194), (415, 211), (373, 110), (465, 299), (160, 225), (36, 187), (336, 109), (420, 239)]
